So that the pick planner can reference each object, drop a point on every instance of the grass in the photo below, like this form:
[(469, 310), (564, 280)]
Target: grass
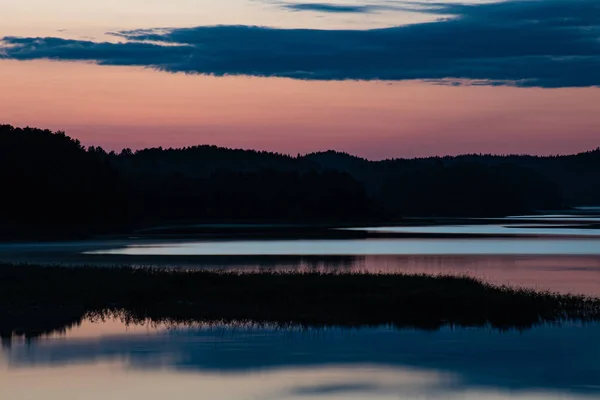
[(39, 299)]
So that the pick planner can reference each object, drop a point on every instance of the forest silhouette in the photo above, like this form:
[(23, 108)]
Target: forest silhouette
[(55, 186)]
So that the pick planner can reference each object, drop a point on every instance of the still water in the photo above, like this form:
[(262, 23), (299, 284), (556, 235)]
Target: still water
[(405, 246), (521, 251), (109, 360), (527, 235), (560, 257), (112, 360)]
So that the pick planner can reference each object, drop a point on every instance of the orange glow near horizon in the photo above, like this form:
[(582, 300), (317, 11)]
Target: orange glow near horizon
[(118, 107)]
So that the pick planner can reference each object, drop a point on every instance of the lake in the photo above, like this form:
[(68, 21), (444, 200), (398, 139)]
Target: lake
[(558, 252), (111, 360)]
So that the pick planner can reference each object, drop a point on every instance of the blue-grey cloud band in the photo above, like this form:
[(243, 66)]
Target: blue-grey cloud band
[(543, 43)]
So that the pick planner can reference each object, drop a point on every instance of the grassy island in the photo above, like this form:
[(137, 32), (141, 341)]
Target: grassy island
[(39, 299)]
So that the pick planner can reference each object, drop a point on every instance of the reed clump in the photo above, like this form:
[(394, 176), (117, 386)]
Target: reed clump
[(35, 299)]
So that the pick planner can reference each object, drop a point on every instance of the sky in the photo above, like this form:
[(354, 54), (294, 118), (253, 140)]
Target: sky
[(376, 78)]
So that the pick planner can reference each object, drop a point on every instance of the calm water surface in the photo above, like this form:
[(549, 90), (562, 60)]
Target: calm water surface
[(522, 230), (566, 235), (559, 256), (349, 247), (552, 257), (112, 361)]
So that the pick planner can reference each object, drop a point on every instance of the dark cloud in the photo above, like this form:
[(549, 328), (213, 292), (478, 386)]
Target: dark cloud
[(546, 43), (329, 8), (338, 388), (358, 8), (104, 53)]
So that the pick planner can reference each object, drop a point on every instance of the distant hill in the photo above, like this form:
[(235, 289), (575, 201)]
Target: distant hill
[(51, 178), (575, 176)]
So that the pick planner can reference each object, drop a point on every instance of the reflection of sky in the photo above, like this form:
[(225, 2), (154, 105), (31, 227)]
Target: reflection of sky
[(513, 229), (559, 264), (334, 363), (516, 246), (558, 218)]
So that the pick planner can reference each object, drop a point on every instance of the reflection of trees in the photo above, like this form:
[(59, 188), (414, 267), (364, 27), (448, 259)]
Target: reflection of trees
[(314, 264)]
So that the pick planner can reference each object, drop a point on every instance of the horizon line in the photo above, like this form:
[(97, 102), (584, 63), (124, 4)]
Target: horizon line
[(313, 153)]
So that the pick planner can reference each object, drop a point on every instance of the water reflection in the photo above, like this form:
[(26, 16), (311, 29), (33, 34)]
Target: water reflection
[(576, 229), (497, 246), (254, 363)]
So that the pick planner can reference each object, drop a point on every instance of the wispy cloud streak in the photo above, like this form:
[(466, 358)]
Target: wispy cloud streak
[(336, 8)]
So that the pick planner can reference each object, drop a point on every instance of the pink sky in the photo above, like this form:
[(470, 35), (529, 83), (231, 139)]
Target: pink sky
[(118, 107)]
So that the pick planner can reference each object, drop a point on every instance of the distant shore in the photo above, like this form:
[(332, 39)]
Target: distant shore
[(35, 300)]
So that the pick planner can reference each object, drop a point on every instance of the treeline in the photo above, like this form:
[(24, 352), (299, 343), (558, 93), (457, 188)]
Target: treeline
[(257, 196), (54, 186), (52, 182), (469, 189)]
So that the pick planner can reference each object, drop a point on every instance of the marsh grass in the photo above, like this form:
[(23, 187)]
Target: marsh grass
[(39, 299)]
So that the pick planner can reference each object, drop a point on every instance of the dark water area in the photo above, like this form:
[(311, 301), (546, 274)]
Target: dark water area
[(110, 359)]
